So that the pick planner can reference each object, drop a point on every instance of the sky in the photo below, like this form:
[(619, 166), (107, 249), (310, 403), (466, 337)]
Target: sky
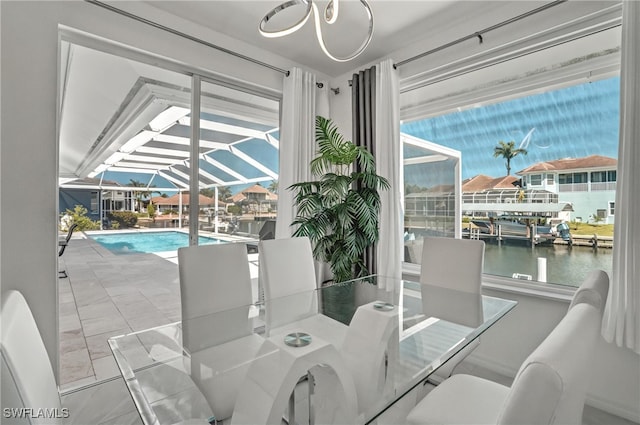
[(574, 122)]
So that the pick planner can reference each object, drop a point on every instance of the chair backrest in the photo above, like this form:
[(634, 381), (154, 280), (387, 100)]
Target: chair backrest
[(27, 375), (70, 232), (594, 290), (214, 279), (551, 385), (454, 264), (286, 268), (67, 239)]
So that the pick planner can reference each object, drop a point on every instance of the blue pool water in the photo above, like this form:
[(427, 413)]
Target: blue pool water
[(149, 242)]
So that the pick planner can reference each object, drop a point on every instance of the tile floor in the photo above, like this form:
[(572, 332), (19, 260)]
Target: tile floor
[(106, 295), (106, 403)]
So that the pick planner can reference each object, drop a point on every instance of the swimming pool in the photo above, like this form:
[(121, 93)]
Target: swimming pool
[(148, 242)]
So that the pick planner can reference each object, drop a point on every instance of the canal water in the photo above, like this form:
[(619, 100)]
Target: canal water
[(566, 266)]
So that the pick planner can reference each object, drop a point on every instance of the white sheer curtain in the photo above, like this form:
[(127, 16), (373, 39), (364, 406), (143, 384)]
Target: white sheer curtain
[(389, 165), (297, 142), (621, 321)]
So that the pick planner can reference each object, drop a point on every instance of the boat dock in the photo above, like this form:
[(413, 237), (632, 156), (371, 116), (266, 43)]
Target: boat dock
[(593, 241), (499, 233)]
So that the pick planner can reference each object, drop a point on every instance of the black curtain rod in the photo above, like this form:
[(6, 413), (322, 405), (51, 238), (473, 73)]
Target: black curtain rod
[(184, 35), (479, 34)]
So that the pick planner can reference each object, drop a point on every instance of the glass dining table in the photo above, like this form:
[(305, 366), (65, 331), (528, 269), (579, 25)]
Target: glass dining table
[(342, 353)]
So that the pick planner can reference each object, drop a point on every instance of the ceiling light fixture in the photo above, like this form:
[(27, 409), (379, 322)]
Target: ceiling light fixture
[(330, 16)]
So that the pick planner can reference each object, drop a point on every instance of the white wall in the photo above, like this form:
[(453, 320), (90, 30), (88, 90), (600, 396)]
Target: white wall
[(29, 76)]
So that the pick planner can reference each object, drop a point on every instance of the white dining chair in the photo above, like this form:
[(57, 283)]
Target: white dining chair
[(28, 384), (27, 375), (550, 386), (217, 327), (287, 274), (454, 264)]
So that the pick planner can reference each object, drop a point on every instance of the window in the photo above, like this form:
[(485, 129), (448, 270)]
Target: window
[(579, 177), (243, 163), (490, 197), (573, 178), (94, 202), (536, 179), (612, 208), (146, 143), (603, 176), (431, 193)]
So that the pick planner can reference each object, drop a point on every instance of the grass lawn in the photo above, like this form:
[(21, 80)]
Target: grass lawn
[(591, 229)]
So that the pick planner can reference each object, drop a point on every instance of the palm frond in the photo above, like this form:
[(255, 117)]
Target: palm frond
[(339, 212), (309, 204)]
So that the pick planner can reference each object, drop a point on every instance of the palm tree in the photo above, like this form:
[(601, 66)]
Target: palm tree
[(139, 194), (339, 211), (508, 151), (224, 193), (208, 192), (273, 187)]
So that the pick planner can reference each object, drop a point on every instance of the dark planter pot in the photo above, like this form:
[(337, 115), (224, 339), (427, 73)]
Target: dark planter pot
[(338, 302)]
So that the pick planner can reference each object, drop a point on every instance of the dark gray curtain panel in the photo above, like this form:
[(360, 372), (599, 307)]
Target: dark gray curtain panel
[(363, 90)]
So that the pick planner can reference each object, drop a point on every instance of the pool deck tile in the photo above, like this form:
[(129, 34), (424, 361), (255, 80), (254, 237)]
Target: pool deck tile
[(105, 295)]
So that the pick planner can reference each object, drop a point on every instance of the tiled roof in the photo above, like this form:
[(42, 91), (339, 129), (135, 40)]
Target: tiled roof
[(256, 188), (175, 200), (92, 181), (238, 197), (481, 182), (593, 161), (442, 188)]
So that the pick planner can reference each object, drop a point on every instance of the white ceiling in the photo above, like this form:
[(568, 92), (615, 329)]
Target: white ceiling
[(397, 23)]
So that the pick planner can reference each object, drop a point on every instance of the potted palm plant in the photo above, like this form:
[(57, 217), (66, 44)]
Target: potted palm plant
[(339, 211)]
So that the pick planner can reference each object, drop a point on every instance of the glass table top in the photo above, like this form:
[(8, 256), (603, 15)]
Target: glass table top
[(351, 349)]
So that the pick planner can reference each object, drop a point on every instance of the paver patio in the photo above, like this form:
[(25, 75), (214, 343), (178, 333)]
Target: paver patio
[(105, 295)]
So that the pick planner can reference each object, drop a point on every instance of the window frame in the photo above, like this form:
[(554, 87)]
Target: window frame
[(538, 177), (94, 202), (570, 73), (550, 179), (446, 153)]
